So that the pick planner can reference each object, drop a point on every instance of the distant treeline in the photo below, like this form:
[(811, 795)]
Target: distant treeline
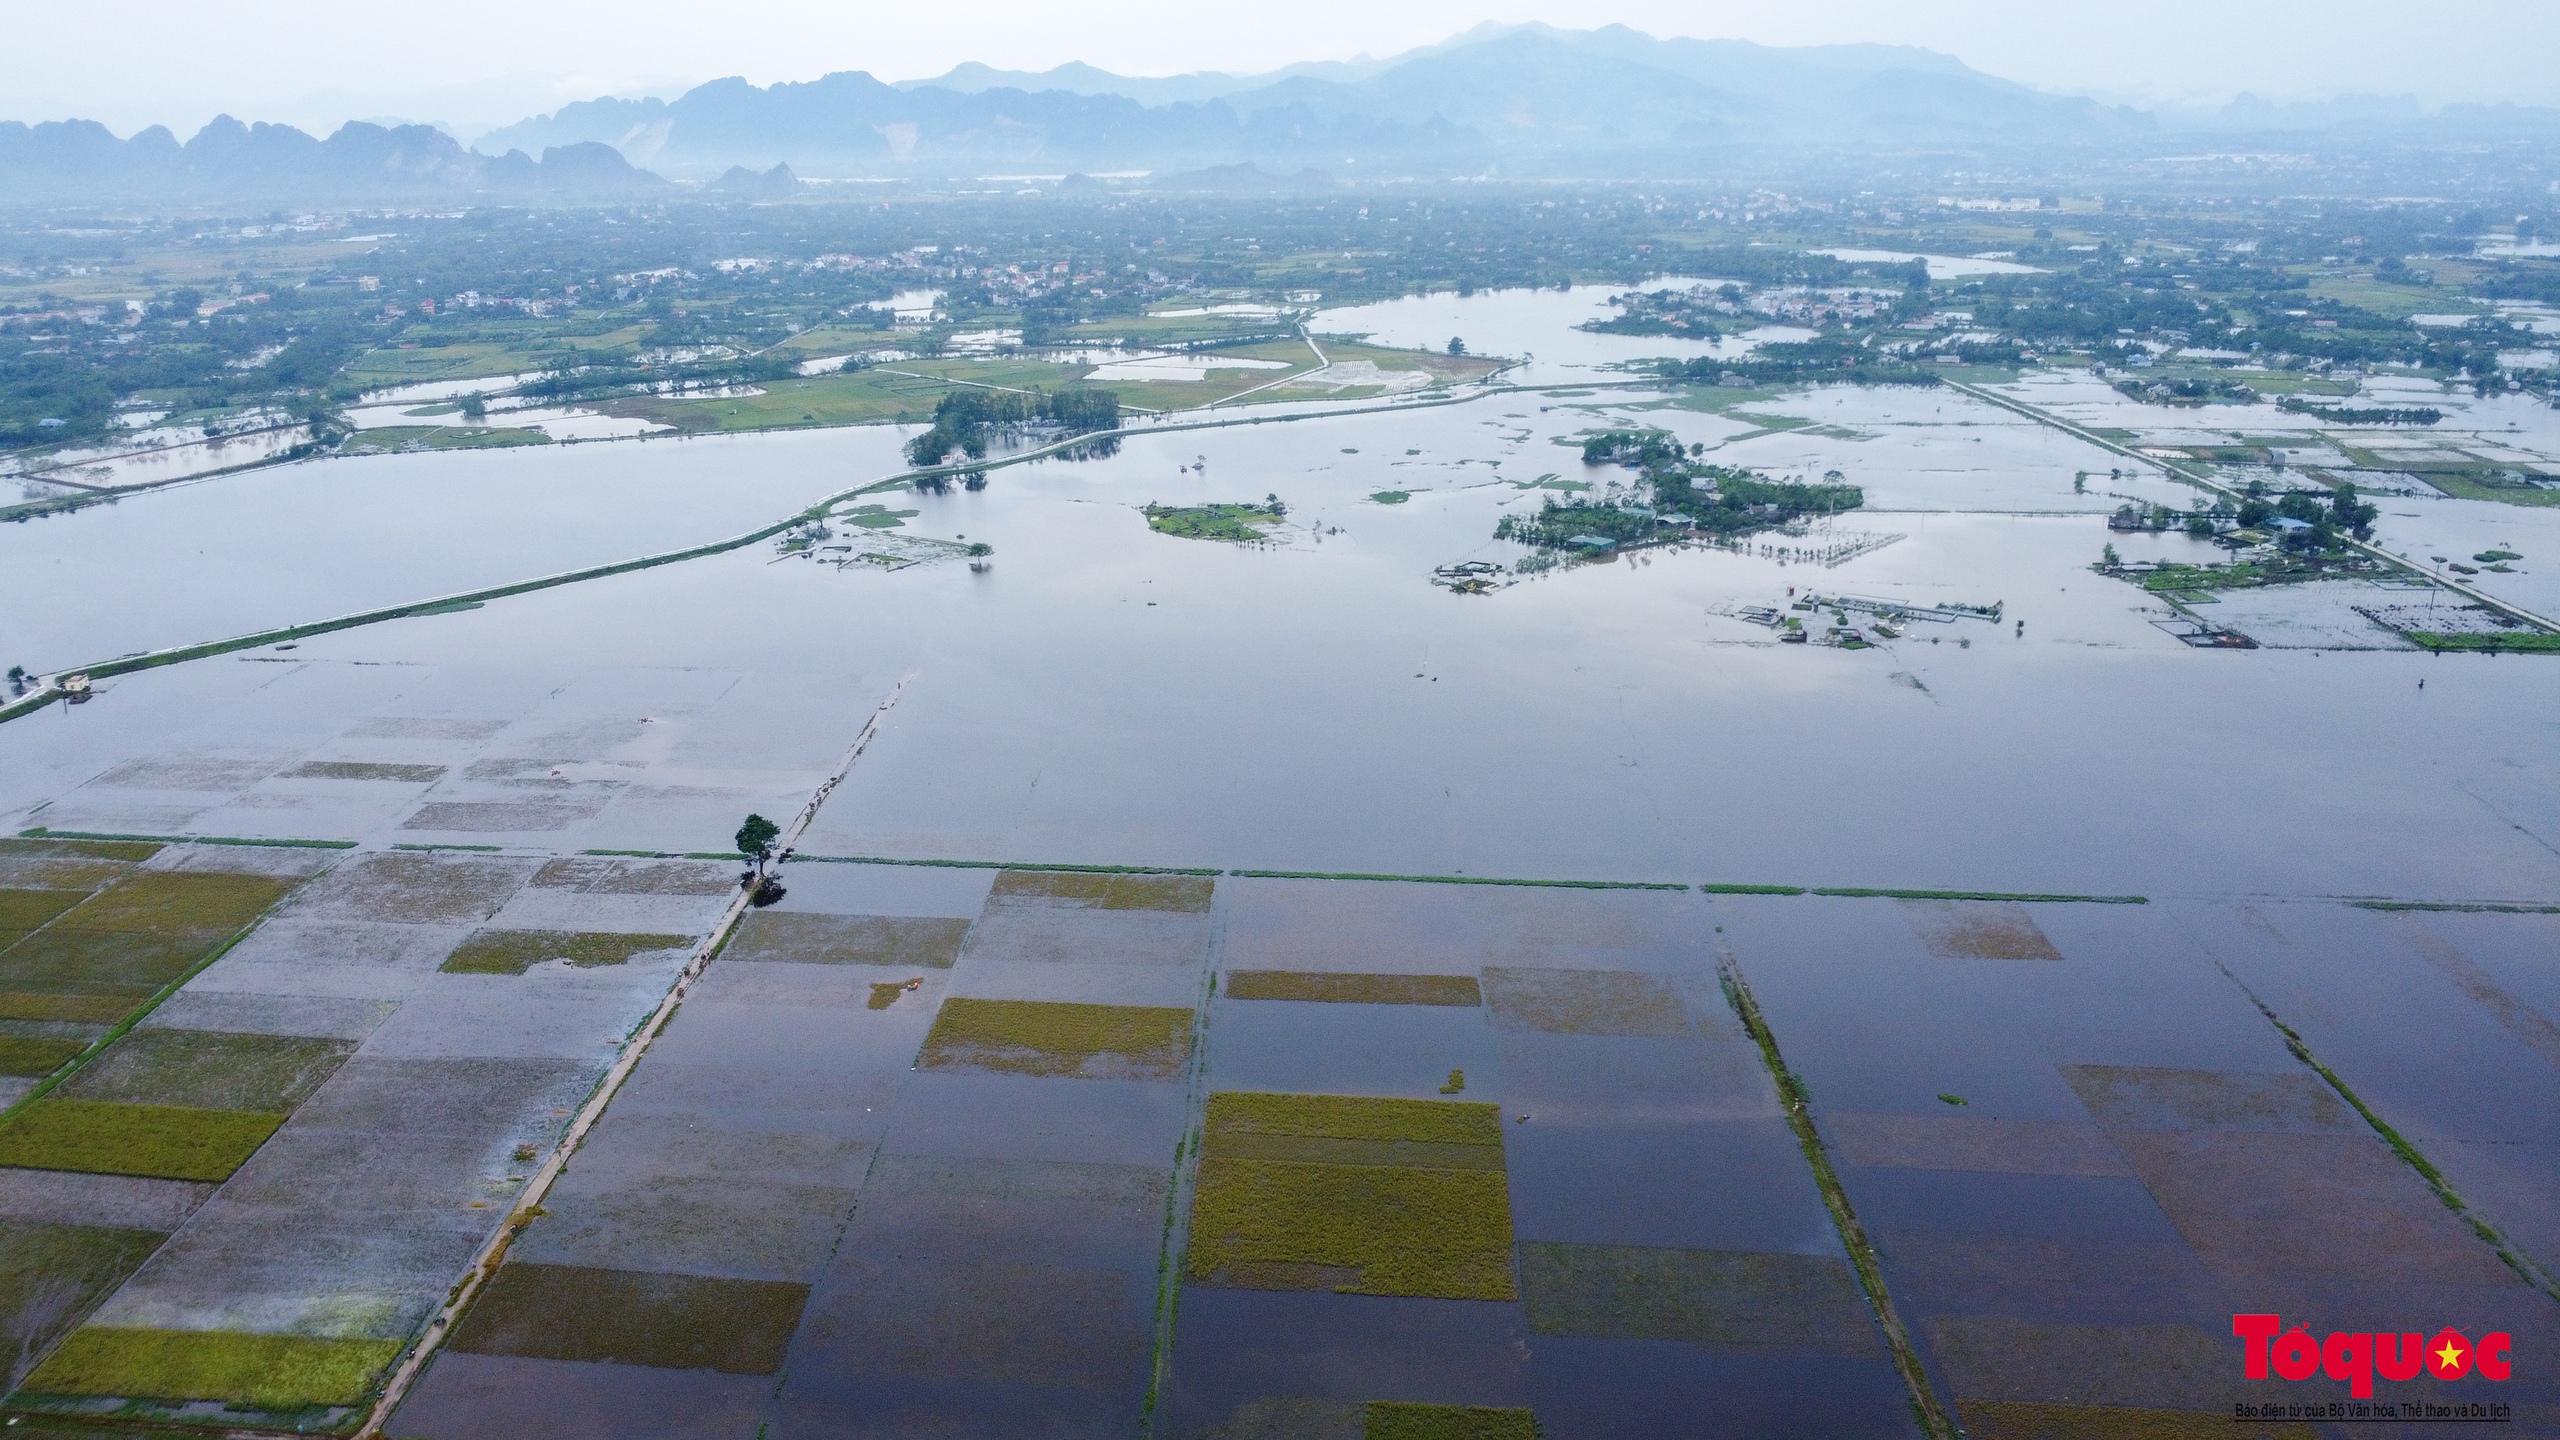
[(963, 419), (2364, 415), (1811, 362)]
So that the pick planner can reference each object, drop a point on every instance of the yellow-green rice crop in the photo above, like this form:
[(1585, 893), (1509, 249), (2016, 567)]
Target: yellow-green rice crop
[(266, 1372), (1406, 1420), (101, 1137), (1049, 1037), (512, 952)]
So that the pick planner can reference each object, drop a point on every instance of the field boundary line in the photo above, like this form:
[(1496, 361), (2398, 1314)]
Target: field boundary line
[(528, 1206), (1925, 1406)]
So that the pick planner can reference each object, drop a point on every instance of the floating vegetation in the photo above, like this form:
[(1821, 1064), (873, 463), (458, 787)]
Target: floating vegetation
[(1953, 1099), (1409, 1420), (1241, 524), (1353, 989), (364, 770), (1739, 1298), (1457, 1083), (265, 1372), (1183, 894), (1585, 1002), (103, 1138), (1053, 1037), (885, 993), (1408, 1199), (808, 939), (1390, 497), (512, 952), (1975, 930), (672, 1322)]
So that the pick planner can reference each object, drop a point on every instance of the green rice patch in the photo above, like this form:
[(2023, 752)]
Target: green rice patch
[(1051, 1037), (86, 1009), (2014, 1420), (1408, 1420), (265, 1372), (168, 1142), (1353, 989), (37, 1054), (886, 994), (89, 849), (1354, 1117), (64, 961), (1331, 1150), (210, 1070), (1585, 1002), (899, 940), (1353, 1194), (364, 770), (50, 1275), (513, 952), (24, 910), (630, 1317), (1353, 1229), (170, 901), (1724, 1298), (1183, 894)]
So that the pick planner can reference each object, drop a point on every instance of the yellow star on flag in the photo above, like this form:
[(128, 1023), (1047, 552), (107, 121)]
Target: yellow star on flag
[(2451, 1355)]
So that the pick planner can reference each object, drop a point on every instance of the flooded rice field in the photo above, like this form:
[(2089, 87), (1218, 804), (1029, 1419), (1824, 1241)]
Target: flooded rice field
[(1150, 1037)]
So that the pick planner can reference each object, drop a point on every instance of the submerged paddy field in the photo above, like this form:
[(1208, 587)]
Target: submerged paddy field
[(996, 1124)]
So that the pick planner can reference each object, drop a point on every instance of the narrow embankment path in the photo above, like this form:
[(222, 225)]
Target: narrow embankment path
[(528, 1206)]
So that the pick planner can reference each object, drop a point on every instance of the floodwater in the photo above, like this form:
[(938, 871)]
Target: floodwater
[(1534, 326), (936, 1235)]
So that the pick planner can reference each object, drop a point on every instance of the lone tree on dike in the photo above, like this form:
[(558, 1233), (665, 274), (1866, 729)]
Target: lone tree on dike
[(756, 837)]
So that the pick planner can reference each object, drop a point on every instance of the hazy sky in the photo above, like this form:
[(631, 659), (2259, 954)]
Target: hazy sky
[(475, 63)]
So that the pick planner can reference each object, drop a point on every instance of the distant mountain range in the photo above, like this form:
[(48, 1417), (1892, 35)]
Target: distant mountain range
[(1513, 101), (1523, 100), (69, 161)]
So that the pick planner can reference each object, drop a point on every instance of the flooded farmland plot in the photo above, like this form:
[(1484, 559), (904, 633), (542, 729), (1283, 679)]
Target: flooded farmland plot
[(2080, 1148), (334, 1115), (1337, 972), (1505, 1150)]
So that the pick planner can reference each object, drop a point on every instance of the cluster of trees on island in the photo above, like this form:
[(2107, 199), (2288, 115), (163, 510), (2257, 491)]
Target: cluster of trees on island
[(1839, 359), (1675, 498), (966, 420)]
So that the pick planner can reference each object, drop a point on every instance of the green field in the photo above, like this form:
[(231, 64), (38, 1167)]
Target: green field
[(265, 1372)]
